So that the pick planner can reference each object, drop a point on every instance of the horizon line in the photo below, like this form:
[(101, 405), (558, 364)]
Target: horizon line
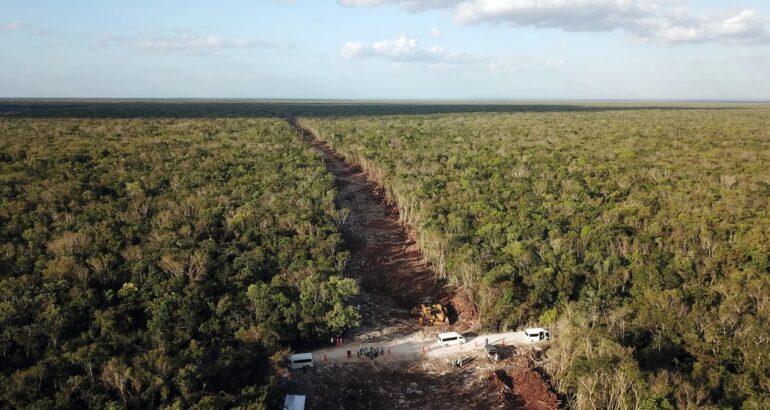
[(380, 100)]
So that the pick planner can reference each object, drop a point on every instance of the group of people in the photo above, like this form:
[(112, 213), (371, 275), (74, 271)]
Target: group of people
[(457, 362), (370, 352)]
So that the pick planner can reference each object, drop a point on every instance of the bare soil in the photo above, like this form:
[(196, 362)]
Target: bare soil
[(527, 388), (394, 277), (426, 384), (384, 257)]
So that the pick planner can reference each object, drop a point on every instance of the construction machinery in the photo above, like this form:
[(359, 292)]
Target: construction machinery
[(432, 314)]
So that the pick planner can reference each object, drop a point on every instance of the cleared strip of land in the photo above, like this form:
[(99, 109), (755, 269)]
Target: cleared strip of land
[(394, 276)]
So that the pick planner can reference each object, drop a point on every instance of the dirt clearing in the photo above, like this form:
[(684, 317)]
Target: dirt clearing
[(416, 385)]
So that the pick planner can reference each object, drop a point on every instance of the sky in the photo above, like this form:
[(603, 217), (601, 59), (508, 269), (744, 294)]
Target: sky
[(386, 49)]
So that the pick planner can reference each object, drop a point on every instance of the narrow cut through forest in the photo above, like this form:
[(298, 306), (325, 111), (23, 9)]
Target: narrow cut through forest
[(383, 253), (394, 277)]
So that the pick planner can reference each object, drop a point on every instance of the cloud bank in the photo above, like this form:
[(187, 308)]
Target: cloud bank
[(189, 42), (661, 21), (407, 51), (13, 26), (411, 5), (742, 27)]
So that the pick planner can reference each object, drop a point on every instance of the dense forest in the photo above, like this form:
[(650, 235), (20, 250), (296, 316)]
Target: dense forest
[(161, 263), (641, 237)]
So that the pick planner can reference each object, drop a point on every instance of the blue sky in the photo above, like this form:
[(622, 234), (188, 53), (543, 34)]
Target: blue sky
[(519, 49)]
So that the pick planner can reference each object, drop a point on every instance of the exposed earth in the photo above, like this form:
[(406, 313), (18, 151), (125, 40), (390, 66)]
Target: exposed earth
[(411, 371)]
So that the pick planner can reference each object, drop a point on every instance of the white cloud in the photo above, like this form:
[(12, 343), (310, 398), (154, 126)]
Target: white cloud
[(743, 27), (13, 26), (200, 43), (353, 49), (406, 50), (662, 21), (570, 15), (366, 3), (650, 20), (435, 32), (411, 5)]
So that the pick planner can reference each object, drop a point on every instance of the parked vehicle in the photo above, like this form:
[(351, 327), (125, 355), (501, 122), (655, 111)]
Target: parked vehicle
[(300, 360), (536, 334), (294, 402), (450, 338)]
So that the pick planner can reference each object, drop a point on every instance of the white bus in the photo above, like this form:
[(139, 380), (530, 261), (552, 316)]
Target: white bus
[(300, 360), (450, 338)]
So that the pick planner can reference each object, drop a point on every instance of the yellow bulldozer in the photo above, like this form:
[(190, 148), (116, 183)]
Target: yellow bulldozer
[(432, 314)]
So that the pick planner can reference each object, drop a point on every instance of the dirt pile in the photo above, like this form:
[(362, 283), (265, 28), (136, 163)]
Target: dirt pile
[(462, 312), (529, 388)]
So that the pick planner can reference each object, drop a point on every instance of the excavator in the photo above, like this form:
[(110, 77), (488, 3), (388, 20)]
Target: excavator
[(432, 314)]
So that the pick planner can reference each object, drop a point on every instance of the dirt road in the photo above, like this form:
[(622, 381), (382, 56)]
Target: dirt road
[(384, 256), (416, 346)]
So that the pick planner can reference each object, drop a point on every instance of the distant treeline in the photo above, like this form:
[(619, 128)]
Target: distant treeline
[(161, 263), (642, 238), (286, 109)]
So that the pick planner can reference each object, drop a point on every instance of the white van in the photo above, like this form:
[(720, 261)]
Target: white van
[(536, 334), (450, 338), (300, 360)]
